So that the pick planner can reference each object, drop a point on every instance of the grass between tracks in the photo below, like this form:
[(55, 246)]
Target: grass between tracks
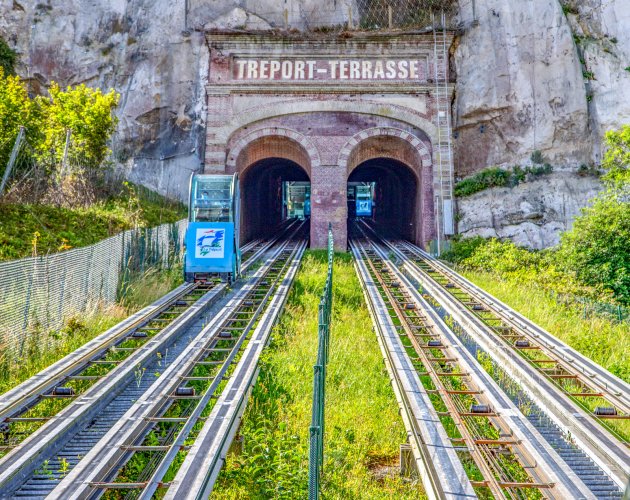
[(604, 341), (363, 427), (43, 348)]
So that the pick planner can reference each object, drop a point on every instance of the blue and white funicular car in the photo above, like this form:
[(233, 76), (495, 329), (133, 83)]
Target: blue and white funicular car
[(212, 238)]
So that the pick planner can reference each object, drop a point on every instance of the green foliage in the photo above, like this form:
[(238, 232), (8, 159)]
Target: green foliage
[(16, 109), (27, 228), (598, 246), (8, 58), (519, 265), (497, 177), (537, 157), (490, 177), (88, 113), (463, 248), (363, 428), (617, 156), (590, 169)]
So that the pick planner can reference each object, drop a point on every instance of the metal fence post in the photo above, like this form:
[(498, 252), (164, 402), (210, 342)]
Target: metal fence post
[(316, 443), (12, 158)]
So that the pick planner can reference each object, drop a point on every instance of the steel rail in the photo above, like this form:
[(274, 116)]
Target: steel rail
[(21, 461), (542, 464), (196, 476), (435, 456), (22, 397), (606, 450), (591, 374), (100, 466)]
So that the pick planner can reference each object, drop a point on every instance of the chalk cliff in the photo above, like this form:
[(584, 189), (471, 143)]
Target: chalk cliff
[(544, 75)]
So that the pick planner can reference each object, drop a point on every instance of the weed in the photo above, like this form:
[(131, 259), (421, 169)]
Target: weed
[(537, 157), (362, 418), (64, 467)]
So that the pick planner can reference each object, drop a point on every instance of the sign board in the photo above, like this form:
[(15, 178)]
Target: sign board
[(245, 69), (364, 207), (210, 243), (210, 247)]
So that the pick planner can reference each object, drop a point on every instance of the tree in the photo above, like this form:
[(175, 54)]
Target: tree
[(617, 156), (16, 109), (88, 113), (597, 249)]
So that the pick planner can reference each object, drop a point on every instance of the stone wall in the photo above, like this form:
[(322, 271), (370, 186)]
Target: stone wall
[(532, 214)]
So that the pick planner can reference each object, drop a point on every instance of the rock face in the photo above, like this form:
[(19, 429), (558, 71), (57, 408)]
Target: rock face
[(532, 214), (523, 82), (519, 87), (602, 34), (532, 77), (153, 54), (141, 49)]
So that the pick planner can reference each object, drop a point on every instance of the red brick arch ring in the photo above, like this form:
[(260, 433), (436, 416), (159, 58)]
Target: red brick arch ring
[(397, 144), (305, 148), (349, 153)]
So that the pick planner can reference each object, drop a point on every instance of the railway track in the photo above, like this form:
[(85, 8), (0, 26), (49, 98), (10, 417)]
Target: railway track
[(539, 364), (51, 421), (469, 438)]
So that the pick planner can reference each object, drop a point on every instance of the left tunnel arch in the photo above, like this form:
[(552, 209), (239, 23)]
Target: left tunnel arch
[(264, 164)]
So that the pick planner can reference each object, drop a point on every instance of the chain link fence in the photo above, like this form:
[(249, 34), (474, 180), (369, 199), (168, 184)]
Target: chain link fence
[(38, 294), (316, 446)]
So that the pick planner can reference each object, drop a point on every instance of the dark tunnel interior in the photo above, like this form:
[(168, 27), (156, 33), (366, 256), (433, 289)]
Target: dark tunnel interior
[(394, 204), (261, 195)]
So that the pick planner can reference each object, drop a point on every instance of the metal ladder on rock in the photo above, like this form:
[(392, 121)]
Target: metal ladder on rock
[(442, 151)]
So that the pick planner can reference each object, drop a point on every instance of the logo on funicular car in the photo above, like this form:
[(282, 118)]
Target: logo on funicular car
[(364, 207), (210, 243)]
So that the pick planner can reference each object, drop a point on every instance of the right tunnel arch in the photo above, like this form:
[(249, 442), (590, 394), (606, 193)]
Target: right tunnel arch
[(400, 165)]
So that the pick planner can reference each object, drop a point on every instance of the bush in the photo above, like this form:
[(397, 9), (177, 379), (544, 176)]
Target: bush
[(16, 109), (496, 177), (537, 157), (515, 264), (463, 248), (87, 112), (8, 58), (597, 249), (490, 177)]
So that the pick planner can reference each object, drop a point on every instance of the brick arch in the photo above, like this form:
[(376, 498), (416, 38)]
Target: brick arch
[(350, 155), (402, 114), (408, 149), (288, 143)]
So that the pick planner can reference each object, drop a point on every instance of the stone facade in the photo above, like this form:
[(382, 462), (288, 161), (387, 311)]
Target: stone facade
[(327, 124)]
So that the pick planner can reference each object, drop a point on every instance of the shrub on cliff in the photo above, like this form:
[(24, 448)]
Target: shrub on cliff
[(597, 248), (490, 177), (496, 177), (8, 58), (86, 112)]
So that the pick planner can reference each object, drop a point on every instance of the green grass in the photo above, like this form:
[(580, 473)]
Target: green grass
[(27, 229), (43, 348), (363, 427), (605, 342)]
